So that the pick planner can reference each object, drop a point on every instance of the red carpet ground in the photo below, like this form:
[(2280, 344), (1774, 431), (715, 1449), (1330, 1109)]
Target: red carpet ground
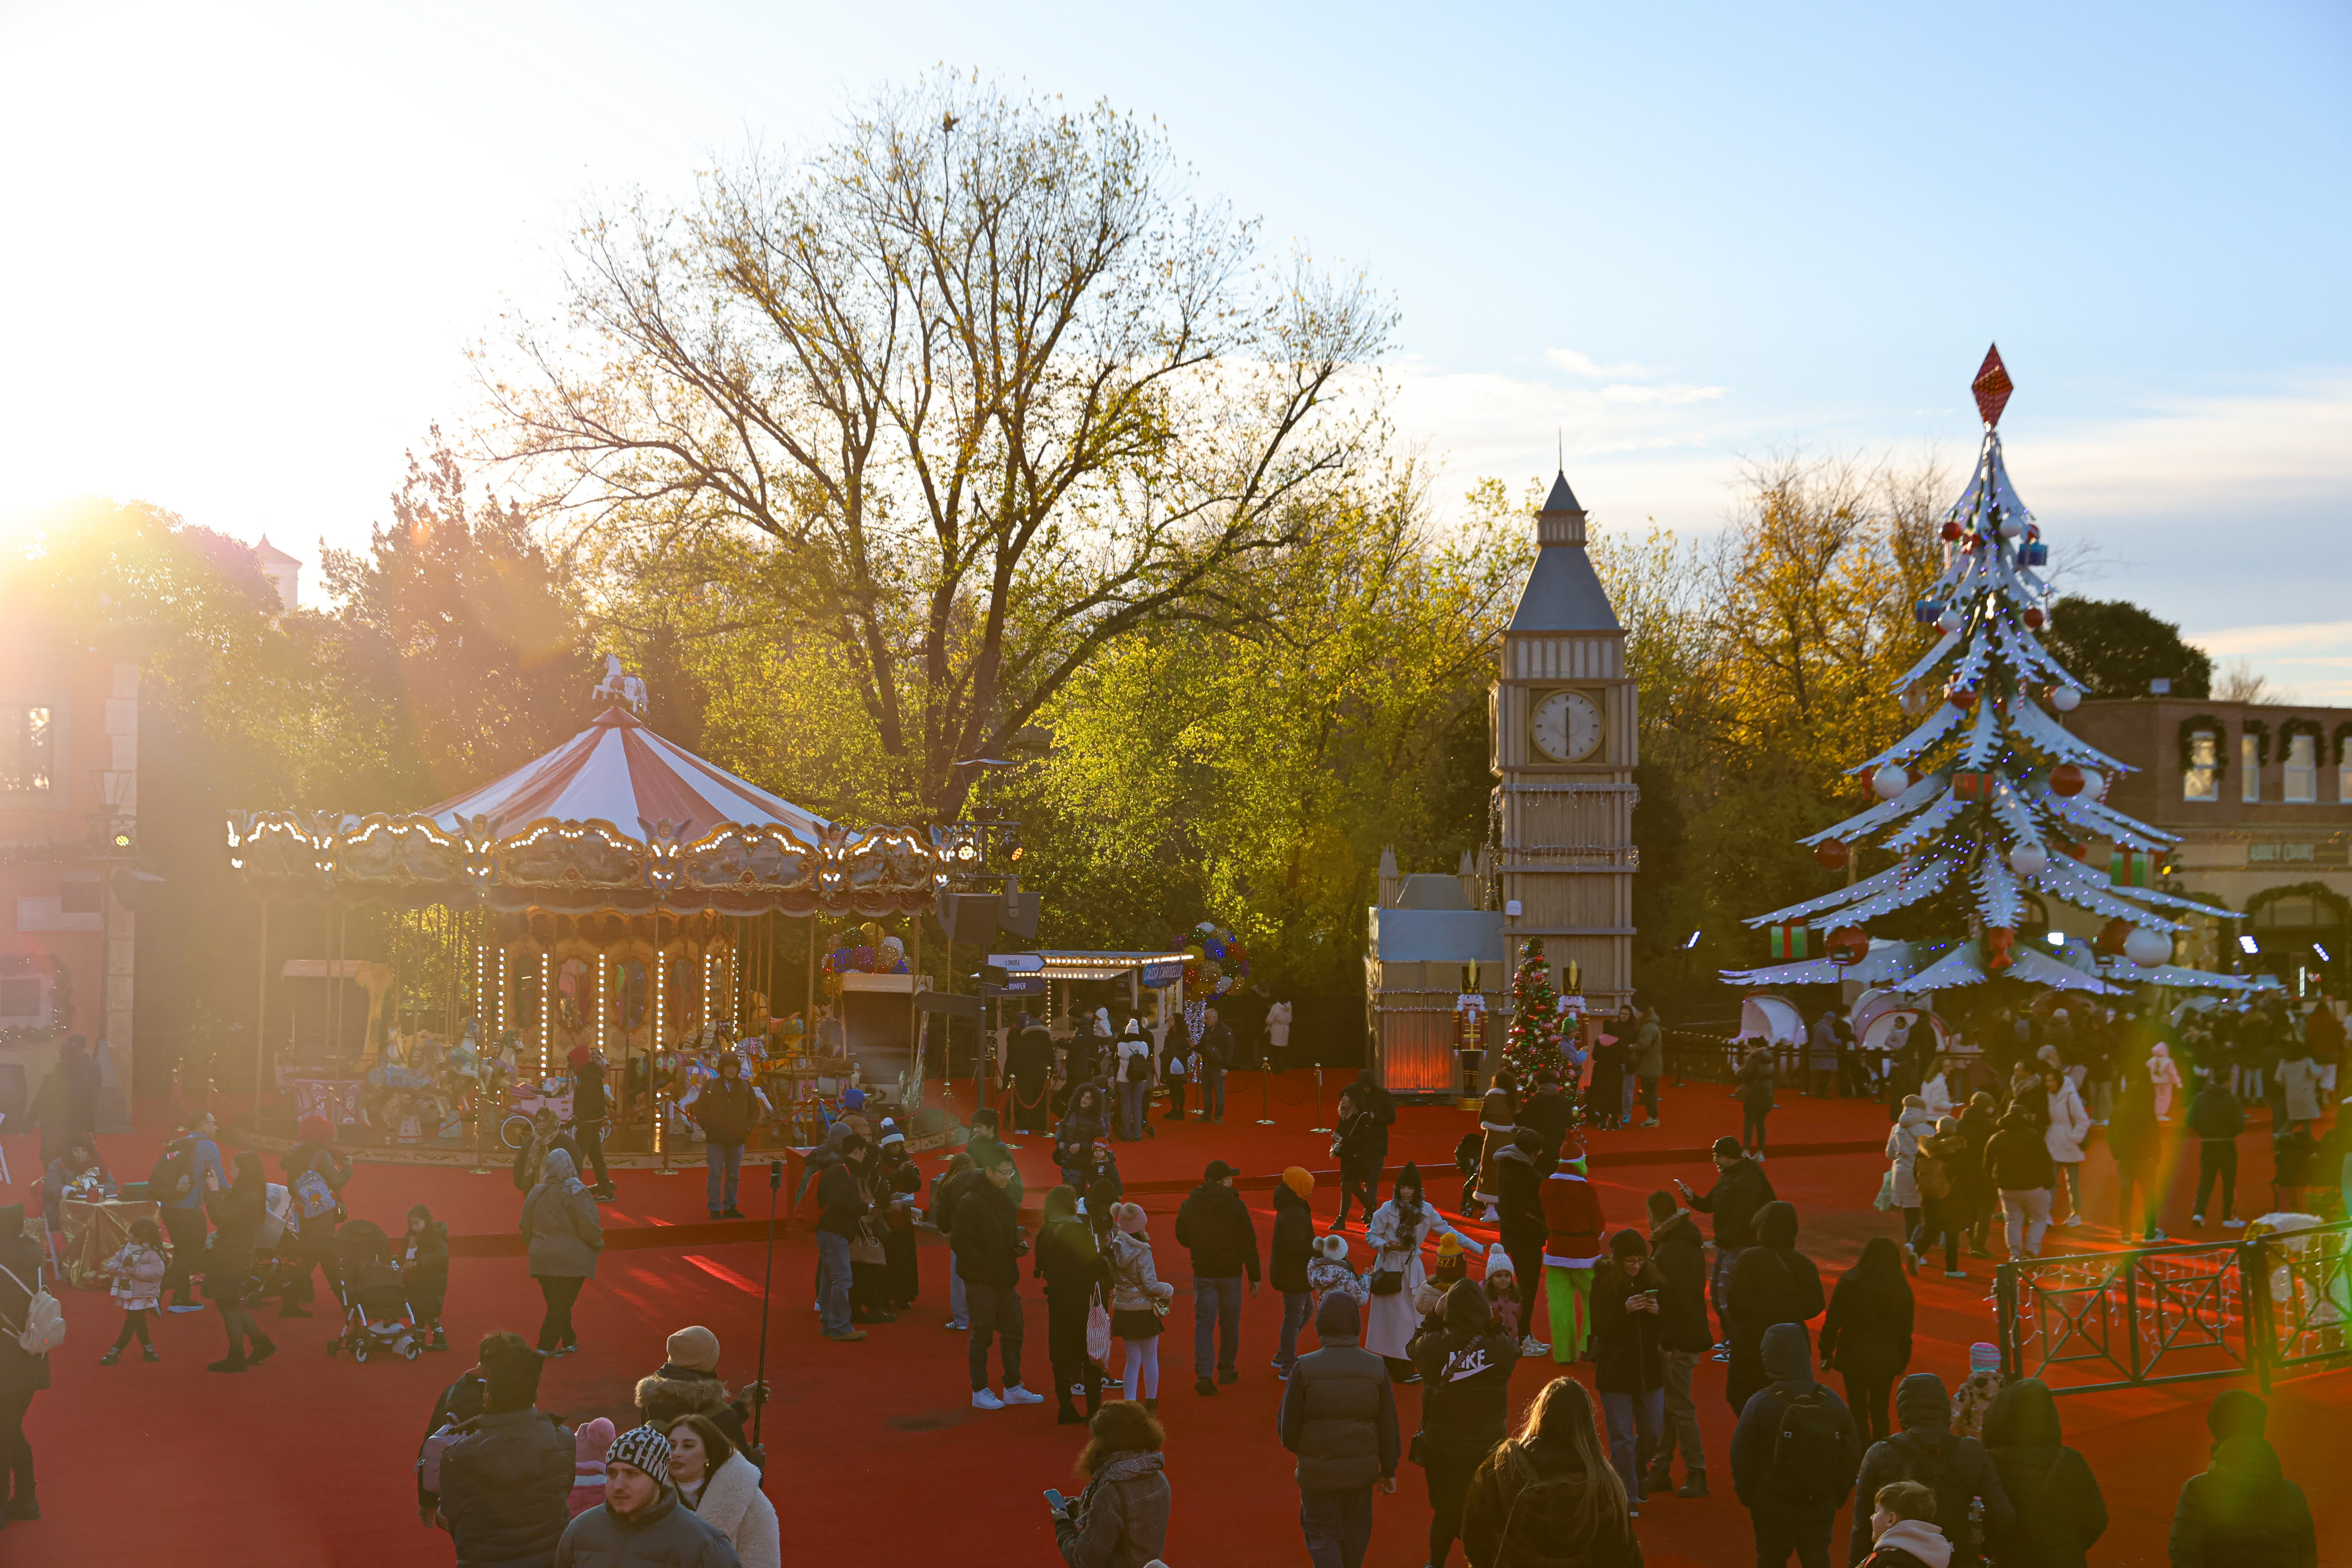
[(874, 1448)]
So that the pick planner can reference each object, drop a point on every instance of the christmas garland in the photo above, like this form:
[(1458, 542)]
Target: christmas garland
[(2343, 733), (2261, 736), (2293, 727), (2205, 723), (60, 1010)]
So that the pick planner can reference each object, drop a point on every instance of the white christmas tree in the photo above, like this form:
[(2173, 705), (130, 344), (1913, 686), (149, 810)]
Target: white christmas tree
[(1989, 799)]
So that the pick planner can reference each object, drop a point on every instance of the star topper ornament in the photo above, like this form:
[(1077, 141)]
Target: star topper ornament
[(1992, 386)]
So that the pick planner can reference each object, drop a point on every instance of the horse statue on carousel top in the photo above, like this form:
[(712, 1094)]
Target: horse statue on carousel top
[(624, 689)]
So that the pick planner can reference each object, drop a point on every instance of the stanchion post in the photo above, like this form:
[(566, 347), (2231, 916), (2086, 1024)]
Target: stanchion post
[(1265, 1116), (1319, 1126)]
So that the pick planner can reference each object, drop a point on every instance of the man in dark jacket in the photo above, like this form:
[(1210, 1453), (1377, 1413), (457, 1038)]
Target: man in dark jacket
[(1957, 1469), (1740, 1189), (1464, 1359), (1518, 1199), (1772, 1283), (1215, 1225), (460, 1402), (1029, 1074), (988, 1250), (2215, 1120), (1792, 1453), (1549, 1112), (590, 1106), (2243, 1512), (1381, 1104), (1338, 1415), (641, 1518), (841, 1197), (1680, 1256), (505, 1481), (726, 1109), (1216, 1049), (2016, 1161), (1287, 1255)]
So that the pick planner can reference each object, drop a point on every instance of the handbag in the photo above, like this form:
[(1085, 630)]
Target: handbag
[(1886, 1199), (1388, 1281), (1097, 1330)]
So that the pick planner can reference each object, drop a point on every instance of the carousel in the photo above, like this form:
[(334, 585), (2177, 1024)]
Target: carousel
[(615, 900)]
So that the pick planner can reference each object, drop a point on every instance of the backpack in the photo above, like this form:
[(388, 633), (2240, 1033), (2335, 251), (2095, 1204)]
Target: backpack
[(1132, 1067), (277, 1213), (1933, 1469), (174, 1174), (1809, 1454), (1934, 1177), (44, 1328), (312, 1195)]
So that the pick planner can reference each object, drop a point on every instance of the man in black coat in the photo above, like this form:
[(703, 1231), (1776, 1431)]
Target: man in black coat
[(1216, 1049), (1518, 1197), (1549, 1112), (1772, 1283), (1381, 1104), (1339, 1416), (987, 1252), (1680, 1255), (590, 1106), (506, 1481), (1287, 1255), (1957, 1469), (1793, 1469), (842, 1200), (726, 1109), (1215, 1225), (1740, 1189)]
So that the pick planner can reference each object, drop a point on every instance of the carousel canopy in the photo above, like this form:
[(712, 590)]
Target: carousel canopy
[(614, 818)]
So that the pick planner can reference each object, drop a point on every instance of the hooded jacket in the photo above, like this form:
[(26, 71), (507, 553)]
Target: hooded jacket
[(1868, 1329), (2215, 1116), (1464, 1359), (2059, 1511), (1518, 1194), (1215, 1225), (425, 1261), (2243, 1513), (1788, 1363), (1120, 1520), (2016, 1157), (663, 1535), (1135, 1282), (566, 1234), (1339, 1409), (2070, 1123), (1740, 1190), (1957, 1469), (1910, 1543), (1293, 1248), (1679, 1255), (1902, 1141), (675, 1391), (1526, 1509), (1772, 1283), (505, 1489)]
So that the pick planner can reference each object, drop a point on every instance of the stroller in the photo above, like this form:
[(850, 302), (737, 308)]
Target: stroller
[(376, 1319)]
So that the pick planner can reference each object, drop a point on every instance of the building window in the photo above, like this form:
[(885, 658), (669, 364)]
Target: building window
[(27, 751), (2198, 781), (2302, 769), (24, 1000), (2250, 769)]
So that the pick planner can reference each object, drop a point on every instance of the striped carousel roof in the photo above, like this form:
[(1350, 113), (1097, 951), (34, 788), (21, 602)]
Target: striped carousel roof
[(620, 772)]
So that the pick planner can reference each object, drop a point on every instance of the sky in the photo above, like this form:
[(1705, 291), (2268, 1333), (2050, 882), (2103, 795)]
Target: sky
[(249, 245)]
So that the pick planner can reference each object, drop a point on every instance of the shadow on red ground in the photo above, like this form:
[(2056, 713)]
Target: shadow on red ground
[(875, 1448)]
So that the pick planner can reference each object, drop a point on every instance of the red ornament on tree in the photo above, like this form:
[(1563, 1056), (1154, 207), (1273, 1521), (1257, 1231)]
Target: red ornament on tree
[(1951, 530), (2034, 618), (1963, 698), (1998, 942), (2113, 935), (1833, 853), (2066, 779), (1849, 944)]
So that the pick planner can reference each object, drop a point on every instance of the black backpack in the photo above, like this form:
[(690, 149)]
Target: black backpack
[(1810, 1455), (174, 1174), (1932, 1468)]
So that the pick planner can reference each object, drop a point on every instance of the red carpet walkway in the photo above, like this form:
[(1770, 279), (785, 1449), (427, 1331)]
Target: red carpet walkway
[(309, 1460)]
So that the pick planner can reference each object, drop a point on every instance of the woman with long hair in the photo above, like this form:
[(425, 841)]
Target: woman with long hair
[(1071, 1265), (1867, 1335), (718, 1482), (1074, 1139), (229, 1270), (1548, 1498), (1120, 1520), (1397, 1231), (566, 1235)]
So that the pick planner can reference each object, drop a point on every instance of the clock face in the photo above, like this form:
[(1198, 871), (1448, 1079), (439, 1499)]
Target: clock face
[(1567, 727)]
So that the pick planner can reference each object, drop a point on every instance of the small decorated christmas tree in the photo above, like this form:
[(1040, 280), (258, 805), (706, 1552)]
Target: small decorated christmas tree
[(1533, 1042)]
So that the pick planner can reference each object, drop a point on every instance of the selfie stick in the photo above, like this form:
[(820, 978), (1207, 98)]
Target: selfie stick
[(1265, 1071), (767, 1279)]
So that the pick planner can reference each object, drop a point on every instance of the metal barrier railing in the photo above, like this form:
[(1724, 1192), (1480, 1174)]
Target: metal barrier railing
[(2270, 1304)]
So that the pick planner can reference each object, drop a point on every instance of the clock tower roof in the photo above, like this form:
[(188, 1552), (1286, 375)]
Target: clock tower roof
[(1563, 594)]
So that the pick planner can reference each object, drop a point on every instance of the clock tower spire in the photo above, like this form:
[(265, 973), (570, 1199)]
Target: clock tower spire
[(1565, 727)]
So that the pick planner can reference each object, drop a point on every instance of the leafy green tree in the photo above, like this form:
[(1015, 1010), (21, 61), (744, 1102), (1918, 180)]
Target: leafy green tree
[(2116, 648)]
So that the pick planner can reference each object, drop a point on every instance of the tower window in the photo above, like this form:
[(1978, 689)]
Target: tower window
[(2250, 769), (2302, 769), (2199, 780)]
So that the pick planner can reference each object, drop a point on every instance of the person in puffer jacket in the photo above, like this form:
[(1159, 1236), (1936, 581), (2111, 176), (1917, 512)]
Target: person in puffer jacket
[(506, 1482), (1120, 1520), (1331, 1271)]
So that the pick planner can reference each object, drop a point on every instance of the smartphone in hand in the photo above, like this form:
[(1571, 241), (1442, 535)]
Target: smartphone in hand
[(1056, 1501)]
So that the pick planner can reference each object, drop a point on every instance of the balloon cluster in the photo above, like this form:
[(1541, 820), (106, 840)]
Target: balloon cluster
[(1214, 959), (864, 950)]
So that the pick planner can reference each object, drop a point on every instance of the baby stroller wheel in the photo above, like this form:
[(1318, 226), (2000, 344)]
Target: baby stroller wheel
[(515, 1131), (409, 1353), (360, 1351)]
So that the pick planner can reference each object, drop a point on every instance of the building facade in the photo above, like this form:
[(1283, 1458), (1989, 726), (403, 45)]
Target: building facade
[(1564, 720), (2261, 795), (68, 810)]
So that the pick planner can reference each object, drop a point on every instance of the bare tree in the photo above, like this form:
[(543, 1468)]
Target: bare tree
[(982, 385), (2239, 681)]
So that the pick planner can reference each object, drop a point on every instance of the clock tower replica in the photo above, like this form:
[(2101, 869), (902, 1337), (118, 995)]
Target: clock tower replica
[(1564, 734)]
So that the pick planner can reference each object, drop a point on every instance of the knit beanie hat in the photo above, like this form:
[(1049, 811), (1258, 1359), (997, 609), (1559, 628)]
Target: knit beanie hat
[(1332, 1248), (1499, 1266), (890, 1133), (1983, 1357), (1449, 1245), (592, 1443), (1128, 1218), (696, 1348), (644, 1447), (1299, 1179)]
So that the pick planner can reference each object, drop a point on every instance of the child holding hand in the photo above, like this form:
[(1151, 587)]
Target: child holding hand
[(137, 1270)]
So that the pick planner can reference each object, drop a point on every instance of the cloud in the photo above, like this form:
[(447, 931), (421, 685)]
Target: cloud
[(2311, 661), (1624, 393)]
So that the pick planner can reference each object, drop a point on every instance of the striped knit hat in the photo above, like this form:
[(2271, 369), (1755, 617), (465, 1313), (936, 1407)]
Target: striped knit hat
[(644, 1447)]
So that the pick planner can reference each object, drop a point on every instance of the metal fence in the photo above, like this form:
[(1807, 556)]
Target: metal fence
[(2270, 1305)]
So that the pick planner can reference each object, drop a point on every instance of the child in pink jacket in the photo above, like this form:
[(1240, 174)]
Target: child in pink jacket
[(590, 1445)]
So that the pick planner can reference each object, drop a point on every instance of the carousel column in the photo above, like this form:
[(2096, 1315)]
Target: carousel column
[(261, 1014)]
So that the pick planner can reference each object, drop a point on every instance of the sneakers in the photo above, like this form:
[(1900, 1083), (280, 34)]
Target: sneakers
[(2152, 1237), (730, 1211), (1694, 1485), (1652, 1122), (2075, 1219), (233, 1363), (1016, 1394), (1203, 1385), (982, 1399), (958, 1328), (1530, 1345), (147, 1352), (2196, 1219), (1956, 1273), (1228, 1374), (848, 1335), (2234, 1224), (112, 1355), (1114, 1383)]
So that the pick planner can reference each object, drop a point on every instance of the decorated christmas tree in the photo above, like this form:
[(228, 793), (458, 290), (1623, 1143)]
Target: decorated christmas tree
[(1532, 1043), (1989, 804)]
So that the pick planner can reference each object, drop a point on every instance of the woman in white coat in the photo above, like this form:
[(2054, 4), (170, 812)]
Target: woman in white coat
[(1937, 1093), (1903, 1169), (722, 1486), (2165, 1074), (2069, 1125), (1396, 1233)]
